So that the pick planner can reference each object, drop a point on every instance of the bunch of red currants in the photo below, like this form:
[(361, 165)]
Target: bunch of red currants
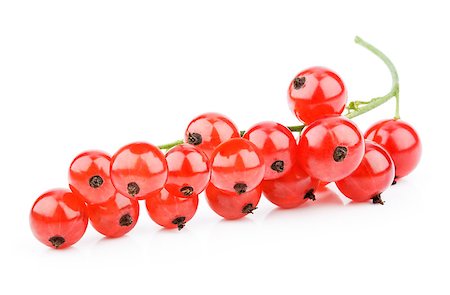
[(233, 168)]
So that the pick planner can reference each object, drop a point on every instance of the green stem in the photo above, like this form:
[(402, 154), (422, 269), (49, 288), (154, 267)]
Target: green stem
[(355, 108), (170, 145)]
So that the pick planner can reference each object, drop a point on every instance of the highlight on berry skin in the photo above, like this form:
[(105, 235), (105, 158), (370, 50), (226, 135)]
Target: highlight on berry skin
[(235, 168)]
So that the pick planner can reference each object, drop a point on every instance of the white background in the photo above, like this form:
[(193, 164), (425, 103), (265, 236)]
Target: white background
[(85, 75)]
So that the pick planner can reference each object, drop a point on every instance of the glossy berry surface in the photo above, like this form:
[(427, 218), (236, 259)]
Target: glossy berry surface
[(291, 190), (59, 218), (171, 211), (277, 145), (401, 141), (209, 130), (232, 206), (138, 170), (237, 166), (330, 148), (316, 92), (188, 171), (89, 177), (115, 217), (372, 177)]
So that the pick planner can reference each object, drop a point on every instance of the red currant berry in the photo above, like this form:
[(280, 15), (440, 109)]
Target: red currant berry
[(315, 93), (188, 171), (59, 218), (138, 170), (171, 211), (372, 177), (115, 217), (209, 130), (278, 147), (232, 206), (237, 166), (89, 177), (401, 141), (330, 148), (291, 190)]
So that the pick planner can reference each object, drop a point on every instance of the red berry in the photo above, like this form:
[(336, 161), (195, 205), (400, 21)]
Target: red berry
[(330, 148), (316, 92), (209, 130), (138, 170), (171, 211), (59, 218), (188, 171), (89, 177), (291, 190), (401, 141), (372, 177), (237, 166), (278, 147), (115, 217), (232, 206)]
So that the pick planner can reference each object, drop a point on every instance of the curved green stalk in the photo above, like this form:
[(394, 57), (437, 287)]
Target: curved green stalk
[(354, 108)]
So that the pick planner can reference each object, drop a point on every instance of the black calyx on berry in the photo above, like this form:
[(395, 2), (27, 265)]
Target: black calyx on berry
[(377, 199), (126, 220), (180, 222), (299, 82), (339, 154), (240, 188), (394, 182), (133, 189), (249, 208), (57, 241), (194, 138), (187, 191), (95, 181), (310, 195), (277, 166)]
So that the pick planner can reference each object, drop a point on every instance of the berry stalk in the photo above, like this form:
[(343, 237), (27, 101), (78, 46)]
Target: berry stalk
[(357, 107)]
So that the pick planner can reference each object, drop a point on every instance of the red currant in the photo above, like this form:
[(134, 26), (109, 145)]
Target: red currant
[(171, 211), (209, 130), (59, 218), (372, 177), (291, 190), (401, 141), (278, 147), (232, 206), (237, 166), (315, 93), (115, 217), (188, 171), (89, 177), (138, 170), (330, 148)]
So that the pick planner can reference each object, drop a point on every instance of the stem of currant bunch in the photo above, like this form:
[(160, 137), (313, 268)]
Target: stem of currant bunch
[(357, 107)]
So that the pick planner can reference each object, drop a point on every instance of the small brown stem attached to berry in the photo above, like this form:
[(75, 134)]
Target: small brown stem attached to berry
[(187, 191), (126, 220), (277, 166), (240, 188), (57, 241), (95, 181), (133, 189), (377, 200), (310, 195), (299, 82), (339, 154), (180, 222), (195, 138), (248, 209)]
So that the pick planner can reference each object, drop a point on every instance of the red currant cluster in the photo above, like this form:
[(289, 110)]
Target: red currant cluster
[(234, 168)]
